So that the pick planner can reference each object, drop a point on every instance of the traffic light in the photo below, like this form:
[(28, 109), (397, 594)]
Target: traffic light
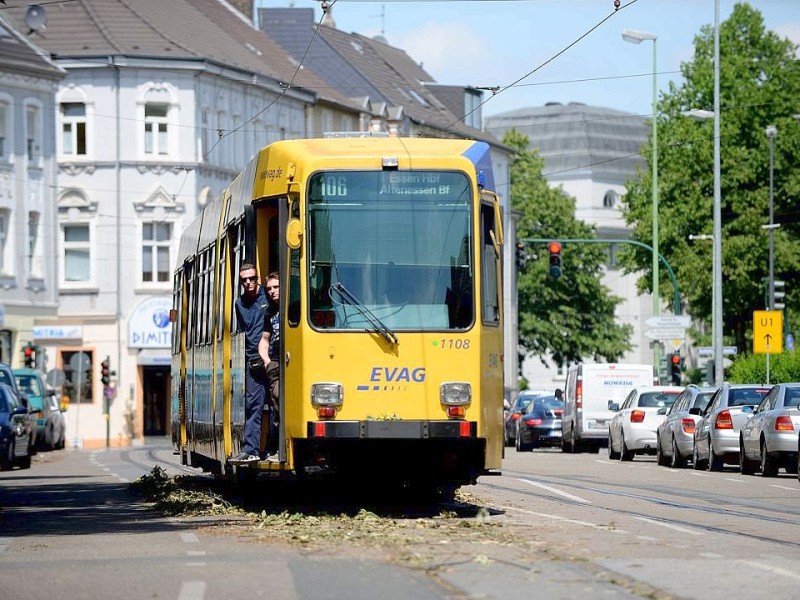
[(521, 257), (675, 368), (29, 353), (779, 295), (555, 259), (105, 371)]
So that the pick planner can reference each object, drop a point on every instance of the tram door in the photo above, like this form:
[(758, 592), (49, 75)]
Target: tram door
[(155, 391)]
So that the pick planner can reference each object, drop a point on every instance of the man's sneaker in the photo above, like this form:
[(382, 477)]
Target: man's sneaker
[(272, 457), (244, 458)]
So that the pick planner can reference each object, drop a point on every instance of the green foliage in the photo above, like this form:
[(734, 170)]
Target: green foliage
[(759, 86), (783, 368), (570, 318)]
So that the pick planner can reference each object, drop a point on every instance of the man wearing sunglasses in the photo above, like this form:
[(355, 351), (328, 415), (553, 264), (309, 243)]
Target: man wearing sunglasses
[(251, 307)]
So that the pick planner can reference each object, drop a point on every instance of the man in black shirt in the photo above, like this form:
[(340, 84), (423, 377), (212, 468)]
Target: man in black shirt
[(251, 307)]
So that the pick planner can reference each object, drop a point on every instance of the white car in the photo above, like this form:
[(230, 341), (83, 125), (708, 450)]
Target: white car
[(769, 437), (632, 429)]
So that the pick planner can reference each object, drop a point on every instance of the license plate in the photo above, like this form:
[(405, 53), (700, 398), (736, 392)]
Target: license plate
[(598, 424), (555, 433)]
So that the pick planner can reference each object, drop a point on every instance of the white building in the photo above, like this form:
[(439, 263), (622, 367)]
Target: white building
[(28, 265)]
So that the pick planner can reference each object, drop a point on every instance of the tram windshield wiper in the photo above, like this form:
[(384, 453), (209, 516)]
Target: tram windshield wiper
[(373, 319)]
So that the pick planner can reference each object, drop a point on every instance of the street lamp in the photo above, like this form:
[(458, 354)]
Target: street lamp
[(771, 132), (637, 37)]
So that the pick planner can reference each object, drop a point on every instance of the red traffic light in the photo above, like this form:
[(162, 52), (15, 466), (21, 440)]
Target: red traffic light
[(554, 247), (676, 359), (28, 351)]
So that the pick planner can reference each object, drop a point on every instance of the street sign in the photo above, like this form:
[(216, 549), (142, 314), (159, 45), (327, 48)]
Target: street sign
[(709, 351), (669, 321), (676, 344), (666, 333), (767, 331)]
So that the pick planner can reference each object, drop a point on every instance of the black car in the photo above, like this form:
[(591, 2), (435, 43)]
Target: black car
[(541, 424), (16, 431)]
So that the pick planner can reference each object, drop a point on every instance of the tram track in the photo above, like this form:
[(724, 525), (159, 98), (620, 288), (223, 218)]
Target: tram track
[(739, 521)]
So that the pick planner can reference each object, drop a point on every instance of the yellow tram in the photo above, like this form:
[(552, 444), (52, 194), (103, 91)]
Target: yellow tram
[(389, 252)]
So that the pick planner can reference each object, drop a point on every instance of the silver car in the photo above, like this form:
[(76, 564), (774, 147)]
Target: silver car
[(675, 434), (716, 436), (632, 429), (769, 436)]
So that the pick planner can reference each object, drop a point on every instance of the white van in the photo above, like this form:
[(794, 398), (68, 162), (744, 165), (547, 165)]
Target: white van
[(588, 389)]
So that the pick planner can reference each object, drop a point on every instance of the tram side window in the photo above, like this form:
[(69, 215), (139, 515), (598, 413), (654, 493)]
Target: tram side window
[(177, 288), (236, 236), (223, 254), (201, 301), (191, 306), (489, 277)]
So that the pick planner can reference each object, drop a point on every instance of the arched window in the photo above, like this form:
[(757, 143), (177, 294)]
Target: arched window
[(610, 199)]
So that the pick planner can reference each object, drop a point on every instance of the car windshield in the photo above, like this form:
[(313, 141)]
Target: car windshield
[(522, 402), (549, 405), (28, 384), (747, 397), (657, 399)]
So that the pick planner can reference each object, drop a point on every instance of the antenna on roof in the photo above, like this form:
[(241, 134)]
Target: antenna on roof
[(36, 18)]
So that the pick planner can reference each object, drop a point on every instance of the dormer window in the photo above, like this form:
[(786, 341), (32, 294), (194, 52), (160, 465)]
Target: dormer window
[(611, 199)]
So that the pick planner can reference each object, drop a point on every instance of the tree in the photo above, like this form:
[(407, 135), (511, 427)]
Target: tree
[(570, 318), (759, 86)]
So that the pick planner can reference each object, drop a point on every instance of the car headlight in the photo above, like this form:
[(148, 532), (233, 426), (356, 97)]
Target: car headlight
[(327, 394), (455, 393)]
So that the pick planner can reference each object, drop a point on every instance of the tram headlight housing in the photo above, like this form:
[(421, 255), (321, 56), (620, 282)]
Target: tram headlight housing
[(455, 393), (327, 394)]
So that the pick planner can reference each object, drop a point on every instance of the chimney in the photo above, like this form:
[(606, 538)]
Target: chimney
[(243, 6)]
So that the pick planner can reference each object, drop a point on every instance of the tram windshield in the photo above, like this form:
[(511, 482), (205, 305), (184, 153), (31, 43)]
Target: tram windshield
[(399, 243)]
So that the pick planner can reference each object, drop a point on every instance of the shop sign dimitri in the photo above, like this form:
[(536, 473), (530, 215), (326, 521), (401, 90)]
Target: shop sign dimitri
[(149, 326)]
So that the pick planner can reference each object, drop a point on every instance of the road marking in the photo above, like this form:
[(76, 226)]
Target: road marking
[(4, 544), (192, 590), (698, 474), (196, 564), (782, 487), (710, 555), (771, 569), (564, 519), (195, 553), (736, 480), (647, 538), (554, 490), (189, 538), (607, 461), (668, 526)]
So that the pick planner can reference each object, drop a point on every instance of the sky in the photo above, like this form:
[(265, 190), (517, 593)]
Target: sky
[(494, 43)]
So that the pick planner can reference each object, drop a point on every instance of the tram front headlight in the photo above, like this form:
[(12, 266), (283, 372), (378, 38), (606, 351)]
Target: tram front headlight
[(327, 394), (455, 393)]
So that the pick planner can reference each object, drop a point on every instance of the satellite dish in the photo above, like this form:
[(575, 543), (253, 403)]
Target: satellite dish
[(36, 18)]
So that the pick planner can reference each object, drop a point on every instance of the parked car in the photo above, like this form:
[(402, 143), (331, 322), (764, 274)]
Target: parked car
[(50, 429), (16, 431), (519, 407), (632, 429), (7, 378), (716, 436), (675, 434), (541, 424), (769, 436)]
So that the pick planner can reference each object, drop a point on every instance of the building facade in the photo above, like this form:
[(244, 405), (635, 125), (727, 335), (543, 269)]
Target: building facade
[(28, 260)]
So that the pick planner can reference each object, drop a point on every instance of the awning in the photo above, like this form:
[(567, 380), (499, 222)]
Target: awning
[(154, 357)]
